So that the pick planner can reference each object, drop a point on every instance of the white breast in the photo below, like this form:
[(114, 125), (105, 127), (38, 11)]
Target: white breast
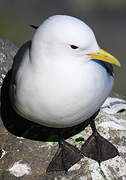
[(62, 94)]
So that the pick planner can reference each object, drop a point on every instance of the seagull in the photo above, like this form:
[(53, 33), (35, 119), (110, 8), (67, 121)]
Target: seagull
[(60, 79)]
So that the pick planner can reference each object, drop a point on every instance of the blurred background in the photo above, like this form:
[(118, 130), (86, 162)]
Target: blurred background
[(106, 17)]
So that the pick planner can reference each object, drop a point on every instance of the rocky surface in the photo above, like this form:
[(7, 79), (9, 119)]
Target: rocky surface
[(7, 52), (27, 148)]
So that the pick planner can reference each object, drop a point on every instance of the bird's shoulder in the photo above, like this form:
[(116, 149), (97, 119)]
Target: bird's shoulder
[(19, 56), (18, 59)]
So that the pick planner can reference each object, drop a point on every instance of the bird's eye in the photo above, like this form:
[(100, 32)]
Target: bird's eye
[(73, 47)]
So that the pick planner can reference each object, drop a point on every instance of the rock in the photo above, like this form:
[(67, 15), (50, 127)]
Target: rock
[(7, 52), (27, 148)]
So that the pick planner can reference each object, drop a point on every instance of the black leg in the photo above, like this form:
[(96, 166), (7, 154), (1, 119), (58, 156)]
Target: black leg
[(66, 156), (98, 148)]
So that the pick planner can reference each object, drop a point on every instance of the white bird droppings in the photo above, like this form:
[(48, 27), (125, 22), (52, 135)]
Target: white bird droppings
[(75, 167), (114, 108), (3, 153), (112, 125), (113, 105), (110, 100), (20, 169), (19, 137)]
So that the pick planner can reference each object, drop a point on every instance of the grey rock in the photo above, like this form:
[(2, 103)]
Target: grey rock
[(27, 148), (7, 52)]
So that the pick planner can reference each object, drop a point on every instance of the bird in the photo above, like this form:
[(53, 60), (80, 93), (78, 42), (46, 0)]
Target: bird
[(60, 79)]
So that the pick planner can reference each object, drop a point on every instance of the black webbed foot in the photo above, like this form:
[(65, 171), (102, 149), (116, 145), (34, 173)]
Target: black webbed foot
[(97, 147), (66, 156)]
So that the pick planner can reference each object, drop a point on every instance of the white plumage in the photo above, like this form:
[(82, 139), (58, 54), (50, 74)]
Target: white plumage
[(56, 85)]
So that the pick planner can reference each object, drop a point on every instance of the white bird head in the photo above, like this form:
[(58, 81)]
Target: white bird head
[(66, 36)]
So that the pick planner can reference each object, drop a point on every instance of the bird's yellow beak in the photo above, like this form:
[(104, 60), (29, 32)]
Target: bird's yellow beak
[(102, 55)]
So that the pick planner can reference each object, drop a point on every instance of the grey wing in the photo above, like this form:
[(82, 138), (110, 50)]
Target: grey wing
[(17, 59), (16, 64)]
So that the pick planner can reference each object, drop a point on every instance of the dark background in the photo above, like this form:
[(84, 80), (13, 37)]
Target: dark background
[(106, 17)]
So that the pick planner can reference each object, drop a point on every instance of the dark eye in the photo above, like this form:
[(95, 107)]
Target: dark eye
[(73, 47)]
